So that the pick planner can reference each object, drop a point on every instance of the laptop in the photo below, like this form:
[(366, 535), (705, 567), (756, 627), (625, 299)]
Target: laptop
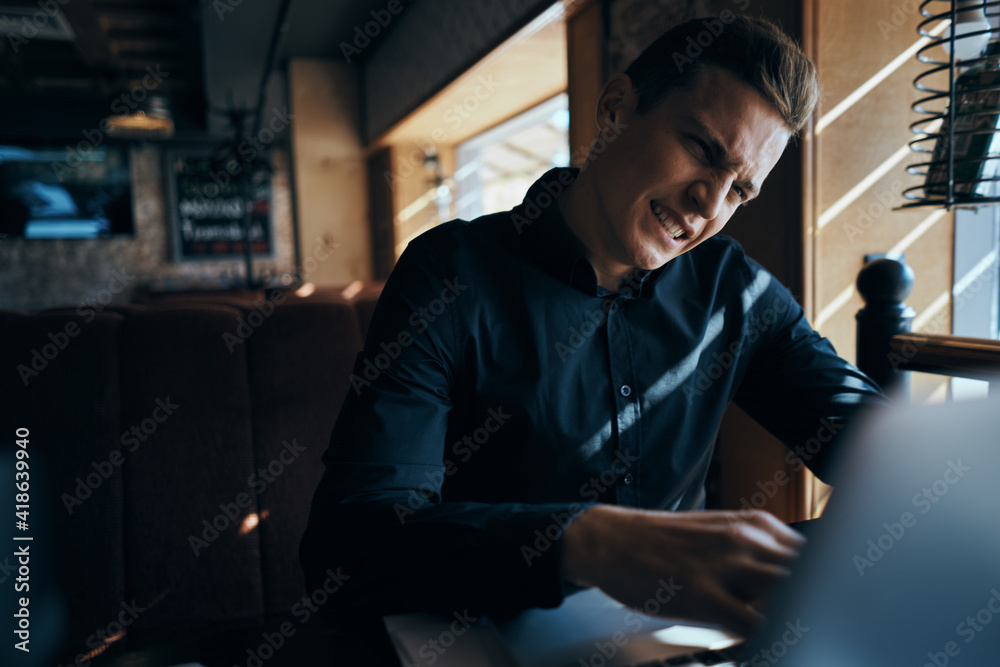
[(902, 569)]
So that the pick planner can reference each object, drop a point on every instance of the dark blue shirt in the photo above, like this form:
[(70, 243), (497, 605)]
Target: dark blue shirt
[(502, 391)]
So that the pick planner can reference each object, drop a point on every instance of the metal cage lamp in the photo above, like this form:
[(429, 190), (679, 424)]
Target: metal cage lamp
[(959, 129)]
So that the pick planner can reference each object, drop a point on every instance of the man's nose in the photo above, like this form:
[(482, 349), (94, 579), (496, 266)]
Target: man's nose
[(710, 196)]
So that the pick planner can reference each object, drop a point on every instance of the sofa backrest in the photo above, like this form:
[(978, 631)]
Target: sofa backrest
[(183, 445), (61, 382)]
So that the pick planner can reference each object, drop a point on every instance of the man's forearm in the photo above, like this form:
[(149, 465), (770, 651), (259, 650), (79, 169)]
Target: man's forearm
[(581, 550), (444, 557)]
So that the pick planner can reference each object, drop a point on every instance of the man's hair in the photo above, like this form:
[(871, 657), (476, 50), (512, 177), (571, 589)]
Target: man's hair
[(755, 50)]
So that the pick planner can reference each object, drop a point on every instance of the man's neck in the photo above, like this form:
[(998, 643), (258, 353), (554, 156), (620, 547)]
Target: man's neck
[(582, 216)]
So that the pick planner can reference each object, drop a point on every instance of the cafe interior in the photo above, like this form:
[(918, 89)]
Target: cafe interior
[(201, 200)]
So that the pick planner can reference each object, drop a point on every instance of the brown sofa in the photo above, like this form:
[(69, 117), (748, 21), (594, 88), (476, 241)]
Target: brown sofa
[(175, 449)]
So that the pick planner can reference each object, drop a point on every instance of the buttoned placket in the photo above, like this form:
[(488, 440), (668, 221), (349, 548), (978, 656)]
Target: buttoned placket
[(625, 463)]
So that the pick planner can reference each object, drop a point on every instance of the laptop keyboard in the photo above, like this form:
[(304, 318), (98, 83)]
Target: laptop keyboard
[(729, 657)]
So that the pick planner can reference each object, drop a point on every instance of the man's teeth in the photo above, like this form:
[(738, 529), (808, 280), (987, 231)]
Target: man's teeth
[(672, 228)]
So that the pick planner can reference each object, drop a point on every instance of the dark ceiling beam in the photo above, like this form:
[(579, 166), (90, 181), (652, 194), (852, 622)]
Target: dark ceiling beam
[(191, 100), (140, 21), (172, 67), (91, 39), (130, 5), (136, 44), (63, 83), (13, 69)]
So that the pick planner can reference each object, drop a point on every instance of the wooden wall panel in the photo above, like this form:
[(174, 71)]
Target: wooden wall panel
[(857, 42), (772, 231), (585, 62), (330, 172)]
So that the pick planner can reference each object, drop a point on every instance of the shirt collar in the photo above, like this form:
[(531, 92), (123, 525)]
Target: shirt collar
[(550, 245)]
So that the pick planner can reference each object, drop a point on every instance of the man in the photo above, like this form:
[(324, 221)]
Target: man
[(536, 404)]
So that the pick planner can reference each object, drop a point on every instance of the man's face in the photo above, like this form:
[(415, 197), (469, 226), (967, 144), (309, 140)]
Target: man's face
[(677, 173)]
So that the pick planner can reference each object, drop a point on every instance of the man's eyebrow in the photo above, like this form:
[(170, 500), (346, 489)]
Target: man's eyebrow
[(722, 156)]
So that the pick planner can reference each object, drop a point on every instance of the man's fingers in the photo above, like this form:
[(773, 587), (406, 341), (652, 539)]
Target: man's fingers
[(790, 537), (757, 579), (769, 550), (767, 546), (735, 614), (781, 532)]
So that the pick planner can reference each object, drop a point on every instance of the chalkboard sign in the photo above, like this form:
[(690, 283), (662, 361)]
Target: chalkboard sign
[(207, 208)]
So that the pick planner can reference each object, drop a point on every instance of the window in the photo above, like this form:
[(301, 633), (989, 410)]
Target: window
[(494, 169), (975, 294)]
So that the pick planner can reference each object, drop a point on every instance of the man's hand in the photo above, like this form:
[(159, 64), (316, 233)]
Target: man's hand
[(726, 562)]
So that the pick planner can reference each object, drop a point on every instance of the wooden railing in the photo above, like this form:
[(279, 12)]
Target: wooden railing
[(887, 350)]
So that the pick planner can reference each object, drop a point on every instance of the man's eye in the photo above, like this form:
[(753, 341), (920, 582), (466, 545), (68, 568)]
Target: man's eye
[(706, 151), (741, 192)]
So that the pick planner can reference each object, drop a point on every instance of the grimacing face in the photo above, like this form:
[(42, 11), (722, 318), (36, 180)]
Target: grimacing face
[(678, 172)]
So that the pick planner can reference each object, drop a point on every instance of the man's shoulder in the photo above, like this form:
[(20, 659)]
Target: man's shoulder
[(722, 252), (460, 240), (721, 246), (724, 267)]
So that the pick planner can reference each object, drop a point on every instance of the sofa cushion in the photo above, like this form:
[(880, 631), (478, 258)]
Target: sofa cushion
[(61, 382), (193, 557), (185, 444), (300, 359)]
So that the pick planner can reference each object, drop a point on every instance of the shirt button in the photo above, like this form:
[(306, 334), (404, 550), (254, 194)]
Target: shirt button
[(627, 480), (625, 390)]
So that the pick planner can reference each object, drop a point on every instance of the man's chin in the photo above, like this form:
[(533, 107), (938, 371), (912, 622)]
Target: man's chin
[(664, 258)]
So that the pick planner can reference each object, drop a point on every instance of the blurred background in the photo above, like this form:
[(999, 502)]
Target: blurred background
[(153, 147)]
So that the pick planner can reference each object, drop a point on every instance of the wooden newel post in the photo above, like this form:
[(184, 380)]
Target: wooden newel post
[(884, 284)]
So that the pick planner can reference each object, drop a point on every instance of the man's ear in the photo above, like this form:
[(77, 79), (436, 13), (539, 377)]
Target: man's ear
[(617, 97)]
